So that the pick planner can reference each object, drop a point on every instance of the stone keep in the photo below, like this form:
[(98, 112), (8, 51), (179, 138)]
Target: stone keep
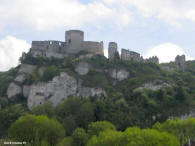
[(181, 61), (74, 43), (112, 49)]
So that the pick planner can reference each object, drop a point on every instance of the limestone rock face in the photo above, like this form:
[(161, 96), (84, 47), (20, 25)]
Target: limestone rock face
[(54, 91), (155, 85), (13, 90), (26, 91), (87, 92), (26, 68), (119, 75), (191, 114), (20, 78), (82, 68)]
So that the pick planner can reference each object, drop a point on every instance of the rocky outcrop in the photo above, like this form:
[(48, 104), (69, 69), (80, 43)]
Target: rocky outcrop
[(59, 89), (20, 78), (27, 68), (13, 90), (82, 68), (155, 85), (191, 114), (87, 92), (26, 90), (119, 75), (54, 91)]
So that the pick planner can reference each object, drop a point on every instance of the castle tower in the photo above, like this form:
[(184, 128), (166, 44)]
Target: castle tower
[(181, 61), (74, 41), (112, 49)]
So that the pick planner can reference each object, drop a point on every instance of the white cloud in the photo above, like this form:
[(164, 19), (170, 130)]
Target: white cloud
[(166, 52), (171, 11), (11, 49), (50, 14)]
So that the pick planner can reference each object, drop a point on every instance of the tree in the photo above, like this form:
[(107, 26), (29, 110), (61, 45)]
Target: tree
[(44, 109), (133, 137), (96, 127), (36, 129), (80, 137), (183, 130)]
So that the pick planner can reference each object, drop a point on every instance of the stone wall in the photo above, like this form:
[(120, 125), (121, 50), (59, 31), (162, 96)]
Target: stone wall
[(112, 49), (93, 47), (181, 61), (74, 43), (153, 59), (130, 55), (47, 48)]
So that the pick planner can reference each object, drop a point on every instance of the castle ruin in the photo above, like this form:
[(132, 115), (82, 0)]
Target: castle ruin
[(112, 49), (181, 61), (74, 43)]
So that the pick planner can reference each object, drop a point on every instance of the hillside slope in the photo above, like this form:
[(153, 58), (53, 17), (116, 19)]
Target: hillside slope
[(125, 93)]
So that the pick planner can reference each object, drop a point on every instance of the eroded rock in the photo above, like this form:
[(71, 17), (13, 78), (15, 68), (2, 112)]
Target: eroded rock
[(26, 90), (82, 68), (13, 90), (155, 85), (87, 92), (27, 68), (20, 78), (119, 75), (54, 91)]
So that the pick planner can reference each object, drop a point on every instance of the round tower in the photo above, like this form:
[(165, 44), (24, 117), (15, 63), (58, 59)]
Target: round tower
[(112, 49), (74, 40)]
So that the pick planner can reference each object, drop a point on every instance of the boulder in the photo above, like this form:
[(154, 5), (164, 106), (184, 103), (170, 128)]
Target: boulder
[(13, 90)]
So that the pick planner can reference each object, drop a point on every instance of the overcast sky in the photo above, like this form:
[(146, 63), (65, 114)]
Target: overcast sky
[(151, 27)]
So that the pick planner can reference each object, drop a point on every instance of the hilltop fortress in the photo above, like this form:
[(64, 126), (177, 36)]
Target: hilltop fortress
[(74, 43)]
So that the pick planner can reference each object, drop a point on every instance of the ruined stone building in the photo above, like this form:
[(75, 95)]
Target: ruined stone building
[(153, 59), (181, 61), (127, 55), (74, 43), (130, 55), (112, 49)]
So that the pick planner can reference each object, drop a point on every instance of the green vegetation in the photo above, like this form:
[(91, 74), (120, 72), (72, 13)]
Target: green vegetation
[(126, 117), (40, 130)]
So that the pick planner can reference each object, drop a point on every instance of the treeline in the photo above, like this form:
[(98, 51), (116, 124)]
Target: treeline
[(44, 131)]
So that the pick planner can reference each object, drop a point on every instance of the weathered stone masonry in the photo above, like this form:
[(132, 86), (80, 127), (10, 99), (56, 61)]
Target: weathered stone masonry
[(74, 43)]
